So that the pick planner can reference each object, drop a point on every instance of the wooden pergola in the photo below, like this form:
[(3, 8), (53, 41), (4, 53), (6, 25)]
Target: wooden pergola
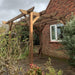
[(34, 18), (31, 22)]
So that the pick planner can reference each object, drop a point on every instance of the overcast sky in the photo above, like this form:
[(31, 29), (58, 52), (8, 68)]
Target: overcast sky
[(10, 8)]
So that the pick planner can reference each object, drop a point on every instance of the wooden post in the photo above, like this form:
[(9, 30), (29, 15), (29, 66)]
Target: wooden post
[(31, 38), (10, 28)]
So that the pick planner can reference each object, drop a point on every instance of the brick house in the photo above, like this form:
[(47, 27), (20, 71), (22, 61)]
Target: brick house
[(51, 34)]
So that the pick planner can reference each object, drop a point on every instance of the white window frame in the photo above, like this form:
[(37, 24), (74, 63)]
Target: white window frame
[(55, 40)]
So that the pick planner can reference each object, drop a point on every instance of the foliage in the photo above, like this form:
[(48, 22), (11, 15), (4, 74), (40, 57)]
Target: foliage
[(34, 70), (68, 41), (10, 67), (10, 52), (25, 50), (2, 30), (11, 47), (23, 31), (51, 70), (36, 39)]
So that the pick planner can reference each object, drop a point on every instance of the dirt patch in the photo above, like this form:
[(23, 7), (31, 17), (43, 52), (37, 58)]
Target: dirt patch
[(56, 63)]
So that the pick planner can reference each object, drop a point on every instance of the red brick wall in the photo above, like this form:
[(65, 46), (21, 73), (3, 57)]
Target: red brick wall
[(51, 48), (62, 7)]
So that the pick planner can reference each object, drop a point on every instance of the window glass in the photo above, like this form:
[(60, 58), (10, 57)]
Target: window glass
[(57, 32), (53, 33)]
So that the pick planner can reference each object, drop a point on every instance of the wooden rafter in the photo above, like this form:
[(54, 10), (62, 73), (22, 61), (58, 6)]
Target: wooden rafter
[(36, 14), (13, 19), (26, 12), (42, 18), (19, 16)]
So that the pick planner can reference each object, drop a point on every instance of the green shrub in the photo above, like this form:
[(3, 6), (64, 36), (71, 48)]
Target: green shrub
[(12, 47), (51, 70), (68, 41), (35, 70), (10, 52)]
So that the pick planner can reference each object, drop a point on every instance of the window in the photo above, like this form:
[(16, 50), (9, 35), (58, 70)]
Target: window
[(56, 32)]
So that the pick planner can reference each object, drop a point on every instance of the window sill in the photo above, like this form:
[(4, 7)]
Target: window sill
[(55, 41)]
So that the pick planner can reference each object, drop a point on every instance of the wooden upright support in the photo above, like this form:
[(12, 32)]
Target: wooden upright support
[(31, 38), (32, 21), (9, 42), (10, 28)]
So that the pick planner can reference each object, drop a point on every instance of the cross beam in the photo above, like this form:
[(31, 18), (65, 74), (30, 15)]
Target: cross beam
[(13, 19), (26, 12)]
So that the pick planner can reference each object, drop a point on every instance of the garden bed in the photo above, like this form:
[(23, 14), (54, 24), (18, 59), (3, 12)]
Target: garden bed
[(56, 63)]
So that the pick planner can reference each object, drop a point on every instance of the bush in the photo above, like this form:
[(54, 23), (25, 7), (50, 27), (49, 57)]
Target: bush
[(10, 52), (11, 48), (35, 70), (51, 70)]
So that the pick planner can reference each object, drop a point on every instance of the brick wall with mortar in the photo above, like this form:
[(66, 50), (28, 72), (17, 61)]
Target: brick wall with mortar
[(62, 7)]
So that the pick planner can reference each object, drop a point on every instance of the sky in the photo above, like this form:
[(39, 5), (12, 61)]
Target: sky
[(10, 8)]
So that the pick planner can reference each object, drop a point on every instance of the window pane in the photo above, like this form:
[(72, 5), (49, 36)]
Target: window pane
[(59, 32), (53, 32)]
